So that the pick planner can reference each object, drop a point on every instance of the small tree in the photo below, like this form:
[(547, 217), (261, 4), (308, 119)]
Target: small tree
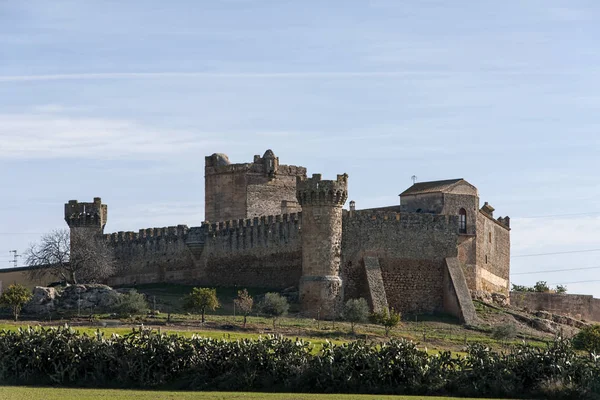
[(274, 305), (588, 339), (504, 332), (355, 311), (389, 319), (132, 303), (77, 256), (202, 299), (15, 297), (244, 303)]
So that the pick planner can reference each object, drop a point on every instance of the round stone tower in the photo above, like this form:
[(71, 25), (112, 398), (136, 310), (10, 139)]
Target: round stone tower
[(320, 285)]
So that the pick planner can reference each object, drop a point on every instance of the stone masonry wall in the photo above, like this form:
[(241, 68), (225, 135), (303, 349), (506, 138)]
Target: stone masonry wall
[(234, 191), (225, 193), (454, 202), (411, 249), (265, 195), (258, 252), (575, 305), (151, 256), (493, 255)]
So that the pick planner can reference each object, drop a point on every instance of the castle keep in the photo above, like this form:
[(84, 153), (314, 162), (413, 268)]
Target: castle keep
[(269, 225)]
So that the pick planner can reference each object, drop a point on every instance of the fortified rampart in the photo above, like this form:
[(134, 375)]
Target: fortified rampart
[(257, 252)]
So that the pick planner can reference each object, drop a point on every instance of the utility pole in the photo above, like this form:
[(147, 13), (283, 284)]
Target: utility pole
[(15, 258)]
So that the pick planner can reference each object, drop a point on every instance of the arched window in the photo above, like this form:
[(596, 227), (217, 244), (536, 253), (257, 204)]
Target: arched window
[(462, 221)]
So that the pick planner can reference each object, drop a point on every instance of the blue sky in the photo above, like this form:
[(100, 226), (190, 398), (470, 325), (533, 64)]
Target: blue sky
[(124, 99)]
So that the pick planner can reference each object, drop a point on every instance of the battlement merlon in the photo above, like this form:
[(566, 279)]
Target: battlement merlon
[(88, 215), (314, 191)]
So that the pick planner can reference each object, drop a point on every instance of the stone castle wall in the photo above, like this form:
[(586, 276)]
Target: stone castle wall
[(258, 252), (151, 255), (578, 306), (411, 249), (493, 255)]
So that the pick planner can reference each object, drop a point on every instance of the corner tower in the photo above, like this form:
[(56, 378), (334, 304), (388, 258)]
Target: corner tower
[(320, 285), (88, 216)]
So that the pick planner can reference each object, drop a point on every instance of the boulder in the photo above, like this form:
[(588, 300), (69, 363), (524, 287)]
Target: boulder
[(85, 298), (91, 297), (43, 301)]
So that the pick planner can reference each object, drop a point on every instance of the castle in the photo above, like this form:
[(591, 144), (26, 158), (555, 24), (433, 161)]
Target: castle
[(269, 225)]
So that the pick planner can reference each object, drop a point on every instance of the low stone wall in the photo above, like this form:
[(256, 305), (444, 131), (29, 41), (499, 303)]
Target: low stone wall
[(21, 276), (579, 306)]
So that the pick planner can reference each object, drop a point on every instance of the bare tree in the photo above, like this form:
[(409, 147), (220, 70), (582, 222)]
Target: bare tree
[(89, 261)]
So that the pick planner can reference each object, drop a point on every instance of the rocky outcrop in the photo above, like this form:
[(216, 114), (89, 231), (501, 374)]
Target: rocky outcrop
[(498, 299), (82, 298), (43, 301)]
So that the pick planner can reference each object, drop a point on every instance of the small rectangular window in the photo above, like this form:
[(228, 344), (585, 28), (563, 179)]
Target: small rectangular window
[(486, 259), (490, 236)]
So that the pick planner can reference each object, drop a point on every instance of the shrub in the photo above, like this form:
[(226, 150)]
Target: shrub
[(147, 359), (541, 287), (202, 299), (244, 303), (356, 311), (389, 318), (588, 339), (274, 306), (15, 297), (504, 332), (561, 289), (521, 288), (131, 303)]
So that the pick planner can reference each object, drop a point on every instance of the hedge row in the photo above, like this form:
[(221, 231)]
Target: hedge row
[(148, 359)]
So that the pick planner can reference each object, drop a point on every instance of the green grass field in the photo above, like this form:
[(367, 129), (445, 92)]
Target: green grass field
[(27, 393), (432, 332)]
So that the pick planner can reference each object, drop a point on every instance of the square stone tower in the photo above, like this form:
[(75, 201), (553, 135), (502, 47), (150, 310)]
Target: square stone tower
[(238, 191)]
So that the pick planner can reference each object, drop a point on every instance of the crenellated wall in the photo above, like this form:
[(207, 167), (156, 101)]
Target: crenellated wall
[(257, 252), (151, 255), (411, 249)]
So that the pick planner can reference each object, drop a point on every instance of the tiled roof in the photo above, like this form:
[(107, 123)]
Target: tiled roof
[(432, 187)]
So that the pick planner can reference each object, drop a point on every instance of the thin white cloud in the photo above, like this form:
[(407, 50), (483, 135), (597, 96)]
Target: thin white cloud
[(202, 75), (51, 136)]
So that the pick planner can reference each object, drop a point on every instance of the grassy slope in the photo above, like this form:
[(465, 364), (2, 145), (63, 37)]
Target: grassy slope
[(25, 393), (435, 333)]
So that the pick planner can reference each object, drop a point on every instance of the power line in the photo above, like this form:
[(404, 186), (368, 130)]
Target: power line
[(554, 253), (554, 270)]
